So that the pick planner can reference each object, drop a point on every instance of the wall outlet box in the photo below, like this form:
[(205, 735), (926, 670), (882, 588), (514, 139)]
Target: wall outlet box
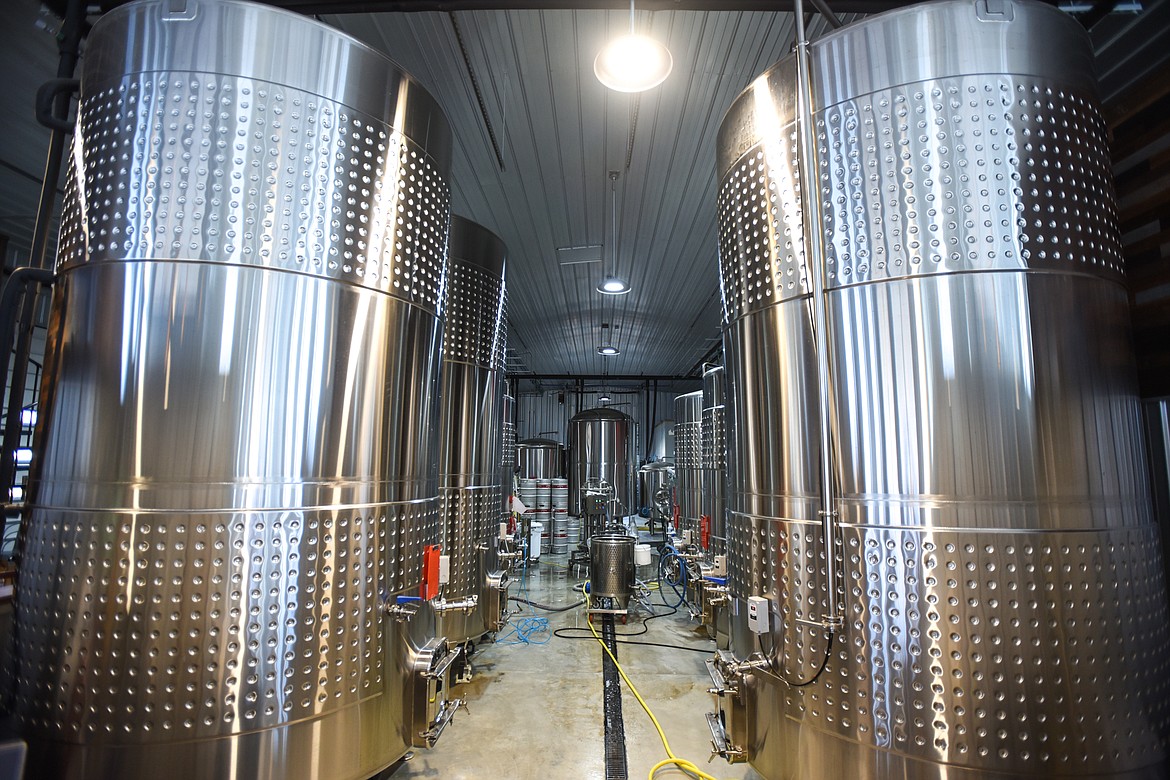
[(720, 569), (758, 616), (444, 569)]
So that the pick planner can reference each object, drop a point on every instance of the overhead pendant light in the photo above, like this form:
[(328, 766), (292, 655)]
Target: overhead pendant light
[(613, 284), (608, 350), (604, 398), (633, 63)]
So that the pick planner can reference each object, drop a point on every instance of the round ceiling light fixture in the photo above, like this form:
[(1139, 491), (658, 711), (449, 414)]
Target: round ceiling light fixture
[(633, 63), (613, 285), (604, 398), (609, 350)]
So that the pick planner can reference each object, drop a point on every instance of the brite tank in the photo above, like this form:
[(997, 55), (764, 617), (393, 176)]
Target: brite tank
[(713, 457), (599, 451), (1001, 579), (238, 451), (471, 427), (688, 461)]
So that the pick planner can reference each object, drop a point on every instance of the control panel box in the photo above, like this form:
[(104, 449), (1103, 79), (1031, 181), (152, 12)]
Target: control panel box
[(759, 619)]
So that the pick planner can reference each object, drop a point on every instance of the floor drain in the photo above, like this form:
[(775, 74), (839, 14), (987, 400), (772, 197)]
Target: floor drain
[(615, 728)]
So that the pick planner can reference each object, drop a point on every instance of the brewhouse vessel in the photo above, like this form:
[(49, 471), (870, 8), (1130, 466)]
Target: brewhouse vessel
[(600, 453)]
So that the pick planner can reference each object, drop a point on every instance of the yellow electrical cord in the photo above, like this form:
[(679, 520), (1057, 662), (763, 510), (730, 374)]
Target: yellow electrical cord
[(682, 763)]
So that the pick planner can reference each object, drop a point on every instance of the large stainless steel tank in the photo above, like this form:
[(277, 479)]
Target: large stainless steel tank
[(508, 463), (471, 436), (540, 459), (713, 457), (1001, 579), (237, 456), (688, 461), (600, 443)]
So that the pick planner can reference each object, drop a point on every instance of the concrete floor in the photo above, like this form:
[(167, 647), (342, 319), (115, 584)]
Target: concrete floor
[(534, 711)]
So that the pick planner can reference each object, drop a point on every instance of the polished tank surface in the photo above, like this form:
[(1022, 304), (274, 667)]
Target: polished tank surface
[(540, 459), (508, 456), (656, 490), (688, 461), (600, 453), (611, 567), (237, 449), (1000, 579), (713, 459), (471, 419)]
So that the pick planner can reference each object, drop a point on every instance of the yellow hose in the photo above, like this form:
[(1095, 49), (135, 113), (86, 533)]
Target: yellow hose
[(682, 763)]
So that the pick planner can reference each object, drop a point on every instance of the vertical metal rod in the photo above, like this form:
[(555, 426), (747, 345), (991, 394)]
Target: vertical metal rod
[(814, 260)]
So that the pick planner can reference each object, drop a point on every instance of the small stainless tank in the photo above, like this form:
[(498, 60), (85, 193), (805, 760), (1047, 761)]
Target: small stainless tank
[(713, 457), (236, 468), (600, 442), (656, 490), (611, 567), (688, 461), (471, 437), (540, 459), (1001, 590)]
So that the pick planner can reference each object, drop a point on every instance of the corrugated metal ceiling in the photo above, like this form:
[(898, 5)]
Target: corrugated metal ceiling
[(561, 133)]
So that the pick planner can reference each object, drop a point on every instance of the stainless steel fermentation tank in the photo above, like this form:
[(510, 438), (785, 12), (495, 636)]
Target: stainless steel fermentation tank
[(1000, 576), (471, 436), (540, 459), (655, 490), (688, 461), (236, 469), (508, 462), (600, 442), (713, 459)]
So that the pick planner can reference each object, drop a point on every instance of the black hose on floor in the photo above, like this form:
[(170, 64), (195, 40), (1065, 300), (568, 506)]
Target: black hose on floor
[(546, 607)]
